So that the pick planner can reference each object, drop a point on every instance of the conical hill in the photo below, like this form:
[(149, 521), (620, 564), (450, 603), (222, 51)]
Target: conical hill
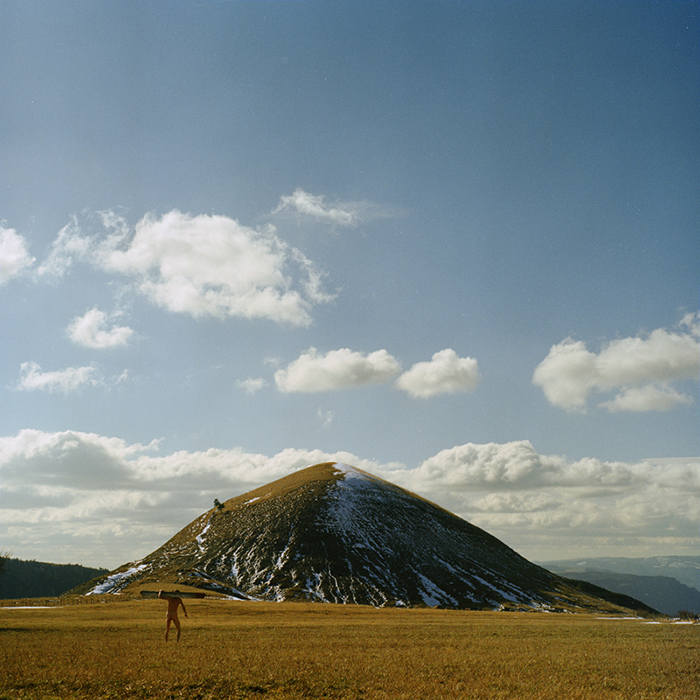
[(334, 533)]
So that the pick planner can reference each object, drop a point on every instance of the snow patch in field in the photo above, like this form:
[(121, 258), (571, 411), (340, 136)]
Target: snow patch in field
[(644, 621)]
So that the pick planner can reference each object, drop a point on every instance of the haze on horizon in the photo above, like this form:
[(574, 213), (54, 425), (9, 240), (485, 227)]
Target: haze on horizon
[(452, 244)]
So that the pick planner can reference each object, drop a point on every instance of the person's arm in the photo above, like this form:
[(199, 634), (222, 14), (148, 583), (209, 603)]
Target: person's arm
[(183, 608)]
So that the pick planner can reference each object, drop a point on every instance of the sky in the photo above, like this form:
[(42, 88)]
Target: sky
[(454, 244)]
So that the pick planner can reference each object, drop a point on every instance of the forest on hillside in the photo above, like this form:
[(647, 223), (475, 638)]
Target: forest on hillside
[(35, 579)]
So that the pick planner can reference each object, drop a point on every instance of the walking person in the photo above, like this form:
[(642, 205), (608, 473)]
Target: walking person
[(171, 616)]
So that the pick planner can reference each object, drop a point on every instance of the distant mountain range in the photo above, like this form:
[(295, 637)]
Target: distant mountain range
[(34, 579), (684, 569), (334, 533), (668, 584)]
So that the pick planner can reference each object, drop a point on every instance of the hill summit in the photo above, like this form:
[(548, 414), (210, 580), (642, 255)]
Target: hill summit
[(334, 533)]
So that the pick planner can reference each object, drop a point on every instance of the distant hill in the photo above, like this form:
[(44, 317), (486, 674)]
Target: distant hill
[(684, 569), (663, 593), (35, 579), (334, 533)]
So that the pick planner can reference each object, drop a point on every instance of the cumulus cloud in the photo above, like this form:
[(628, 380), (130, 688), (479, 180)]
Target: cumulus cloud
[(213, 266), (482, 466), (446, 373), (14, 255), (203, 266), (314, 206), (646, 398), (498, 467), (337, 369), (65, 380), (549, 507), (90, 331), (72, 496), (640, 369)]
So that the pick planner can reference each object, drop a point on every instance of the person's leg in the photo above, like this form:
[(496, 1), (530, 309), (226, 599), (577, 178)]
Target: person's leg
[(168, 620), (176, 620)]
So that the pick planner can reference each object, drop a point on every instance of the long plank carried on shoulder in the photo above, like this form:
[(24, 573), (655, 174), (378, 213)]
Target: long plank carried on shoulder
[(173, 594)]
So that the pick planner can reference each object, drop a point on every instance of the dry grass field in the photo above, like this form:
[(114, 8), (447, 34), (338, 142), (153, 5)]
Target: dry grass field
[(267, 650)]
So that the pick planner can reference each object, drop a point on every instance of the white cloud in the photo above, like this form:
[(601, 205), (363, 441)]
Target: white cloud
[(251, 386), (548, 507), (337, 369), (65, 380), (71, 496), (641, 368), (481, 466), (89, 330), (213, 266), (446, 373), (314, 206), (14, 255), (70, 245), (646, 398), (515, 466), (196, 265)]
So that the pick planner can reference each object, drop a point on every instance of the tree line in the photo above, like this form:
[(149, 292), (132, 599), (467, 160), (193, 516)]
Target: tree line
[(34, 579)]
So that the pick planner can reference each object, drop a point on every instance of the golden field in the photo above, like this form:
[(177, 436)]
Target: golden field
[(112, 648)]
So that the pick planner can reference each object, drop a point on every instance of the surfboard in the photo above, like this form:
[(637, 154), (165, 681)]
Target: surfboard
[(173, 594)]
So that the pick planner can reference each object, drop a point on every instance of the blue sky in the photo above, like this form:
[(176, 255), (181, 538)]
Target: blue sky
[(456, 243)]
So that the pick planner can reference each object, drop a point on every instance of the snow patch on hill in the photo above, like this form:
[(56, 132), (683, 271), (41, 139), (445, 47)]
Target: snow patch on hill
[(200, 537), (115, 582)]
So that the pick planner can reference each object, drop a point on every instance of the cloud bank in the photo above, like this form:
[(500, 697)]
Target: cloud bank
[(72, 496), (640, 369)]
